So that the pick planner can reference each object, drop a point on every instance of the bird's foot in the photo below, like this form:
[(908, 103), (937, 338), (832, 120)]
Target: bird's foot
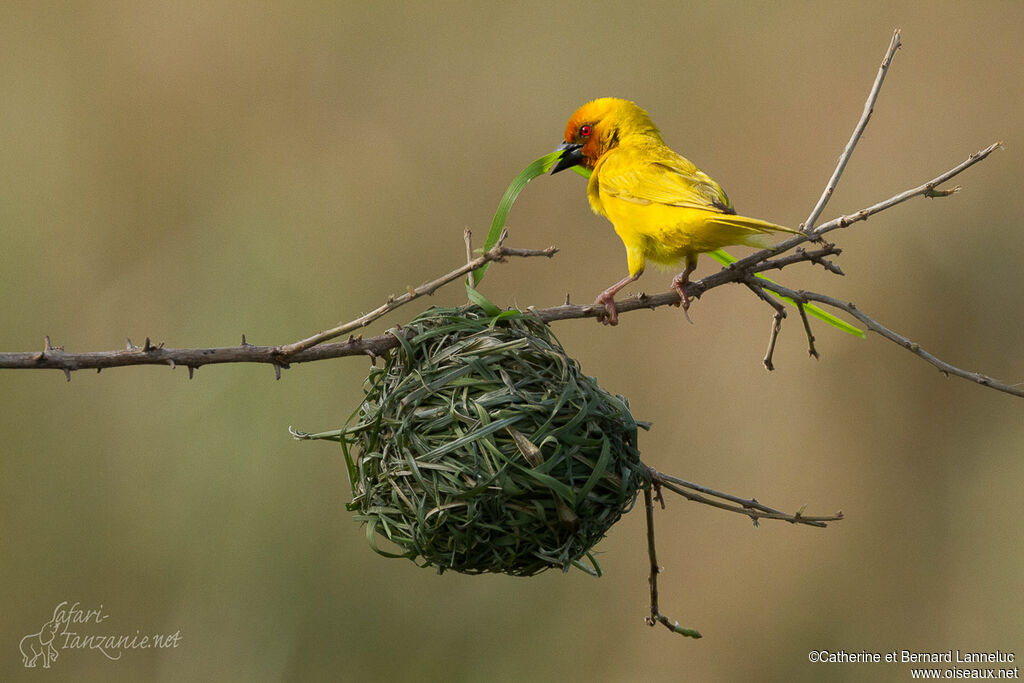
[(611, 316), (679, 284)]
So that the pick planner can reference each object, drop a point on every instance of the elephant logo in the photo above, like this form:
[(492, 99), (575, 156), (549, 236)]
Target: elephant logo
[(40, 644)]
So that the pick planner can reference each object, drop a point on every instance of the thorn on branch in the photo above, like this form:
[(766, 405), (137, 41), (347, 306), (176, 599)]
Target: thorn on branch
[(861, 215), (191, 371), (932, 192), (828, 265), (67, 373)]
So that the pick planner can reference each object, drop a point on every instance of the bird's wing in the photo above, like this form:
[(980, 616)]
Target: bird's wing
[(643, 177)]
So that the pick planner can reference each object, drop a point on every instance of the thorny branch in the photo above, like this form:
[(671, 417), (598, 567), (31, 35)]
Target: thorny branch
[(305, 350), (786, 253)]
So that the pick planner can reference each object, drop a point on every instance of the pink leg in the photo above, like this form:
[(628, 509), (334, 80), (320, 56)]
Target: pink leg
[(607, 297)]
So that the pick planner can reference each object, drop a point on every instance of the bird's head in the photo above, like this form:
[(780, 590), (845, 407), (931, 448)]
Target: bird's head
[(597, 127)]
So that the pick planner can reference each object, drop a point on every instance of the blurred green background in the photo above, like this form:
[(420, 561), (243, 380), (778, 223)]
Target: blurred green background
[(194, 171)]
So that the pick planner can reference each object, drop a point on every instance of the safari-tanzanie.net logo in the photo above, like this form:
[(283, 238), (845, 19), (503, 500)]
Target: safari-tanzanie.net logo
[(73, 627)]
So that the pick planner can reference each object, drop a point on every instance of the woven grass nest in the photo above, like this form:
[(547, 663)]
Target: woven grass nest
[(480, 447)]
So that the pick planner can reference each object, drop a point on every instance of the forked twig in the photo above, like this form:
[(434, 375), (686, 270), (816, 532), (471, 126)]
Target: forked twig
[(915, 348), (498, 253), (869, 108), (780, 314), (656, 617), (744, 506), (702, 494)]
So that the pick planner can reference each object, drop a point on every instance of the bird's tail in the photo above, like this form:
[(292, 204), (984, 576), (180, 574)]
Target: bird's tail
[(752, 232)]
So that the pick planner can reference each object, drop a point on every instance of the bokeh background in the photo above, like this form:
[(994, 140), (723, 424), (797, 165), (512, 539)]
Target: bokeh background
[(194, 171)]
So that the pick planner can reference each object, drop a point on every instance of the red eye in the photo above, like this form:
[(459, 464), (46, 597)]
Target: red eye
[(585, 131)]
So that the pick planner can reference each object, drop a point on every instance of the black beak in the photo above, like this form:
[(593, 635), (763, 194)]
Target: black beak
[(572, 154)]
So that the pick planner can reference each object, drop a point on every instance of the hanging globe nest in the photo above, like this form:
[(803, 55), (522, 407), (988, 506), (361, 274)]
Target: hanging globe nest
[(481, 447)]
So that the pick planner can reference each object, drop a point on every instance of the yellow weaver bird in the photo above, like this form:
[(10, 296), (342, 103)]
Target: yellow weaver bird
[(663, 207)]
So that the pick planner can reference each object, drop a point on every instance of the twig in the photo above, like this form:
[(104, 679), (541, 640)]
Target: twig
[(780, 313), (799, 255), (772, 338), (748, 507), (656, 617), (498, 253), (869, 107), (925, 190), (744, 506), (467, 235), (811, 351)]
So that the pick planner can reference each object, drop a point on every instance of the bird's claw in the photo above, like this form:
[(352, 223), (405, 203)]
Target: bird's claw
[(679, 285), (611, 315)]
